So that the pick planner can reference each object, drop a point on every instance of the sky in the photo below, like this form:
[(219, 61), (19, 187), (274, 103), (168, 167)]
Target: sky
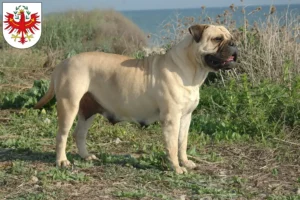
[(63, 5)]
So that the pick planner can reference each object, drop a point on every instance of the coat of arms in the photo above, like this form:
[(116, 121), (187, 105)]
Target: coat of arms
[(22, 24)]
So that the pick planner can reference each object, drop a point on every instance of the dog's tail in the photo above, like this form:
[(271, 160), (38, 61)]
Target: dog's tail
[(47, 97)]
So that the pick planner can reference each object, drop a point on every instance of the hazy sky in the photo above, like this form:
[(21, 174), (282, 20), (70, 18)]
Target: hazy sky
[(62, 5)]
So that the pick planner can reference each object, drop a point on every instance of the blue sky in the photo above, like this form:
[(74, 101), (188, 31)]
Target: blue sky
[(62, 5)]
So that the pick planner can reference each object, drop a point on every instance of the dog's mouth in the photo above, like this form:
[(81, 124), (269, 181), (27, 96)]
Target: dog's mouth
[(218, 63)]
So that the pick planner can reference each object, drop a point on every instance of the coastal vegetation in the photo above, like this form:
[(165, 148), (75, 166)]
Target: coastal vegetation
[(244, 134)]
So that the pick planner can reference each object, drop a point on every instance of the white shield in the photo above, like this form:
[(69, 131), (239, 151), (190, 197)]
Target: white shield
[(22, 24)]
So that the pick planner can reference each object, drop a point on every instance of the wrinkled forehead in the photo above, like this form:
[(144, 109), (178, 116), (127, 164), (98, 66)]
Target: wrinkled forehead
[(218, 31)]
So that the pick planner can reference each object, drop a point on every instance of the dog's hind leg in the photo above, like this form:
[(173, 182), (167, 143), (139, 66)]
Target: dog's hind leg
[(80, 134), (66, 111)]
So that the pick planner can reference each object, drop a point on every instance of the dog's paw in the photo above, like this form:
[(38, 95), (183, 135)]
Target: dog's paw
[(91, 157), (62, 163), (180, 170), (189, 164)]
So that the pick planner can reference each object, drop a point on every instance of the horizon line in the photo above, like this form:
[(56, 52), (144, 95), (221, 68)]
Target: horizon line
[(206, 7), (276, 4)]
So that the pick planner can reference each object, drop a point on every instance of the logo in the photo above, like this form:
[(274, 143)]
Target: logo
[(22, 26)]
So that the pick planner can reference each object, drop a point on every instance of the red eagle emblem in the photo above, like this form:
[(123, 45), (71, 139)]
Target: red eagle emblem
[(24, 27)]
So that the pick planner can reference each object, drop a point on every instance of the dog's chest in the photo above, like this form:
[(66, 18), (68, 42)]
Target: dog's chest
[(190, 100)]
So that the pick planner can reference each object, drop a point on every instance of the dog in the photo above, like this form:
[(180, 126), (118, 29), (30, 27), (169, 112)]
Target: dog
[(161, 88)]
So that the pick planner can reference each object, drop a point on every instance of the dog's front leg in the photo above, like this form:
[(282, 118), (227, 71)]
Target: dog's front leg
[(183, 139), (171, 125)]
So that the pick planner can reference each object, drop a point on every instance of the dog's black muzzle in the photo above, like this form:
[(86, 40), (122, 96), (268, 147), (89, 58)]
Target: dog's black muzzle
[(225, 58)]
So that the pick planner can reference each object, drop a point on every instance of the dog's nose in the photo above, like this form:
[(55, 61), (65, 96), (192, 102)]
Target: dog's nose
[(231, 43)]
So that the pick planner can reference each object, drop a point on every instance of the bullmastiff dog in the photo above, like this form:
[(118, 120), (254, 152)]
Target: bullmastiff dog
[(161, 88)]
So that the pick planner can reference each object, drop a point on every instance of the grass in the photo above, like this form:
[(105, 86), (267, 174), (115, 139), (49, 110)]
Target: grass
[(135, 167), (233, 160), (244, 133), (242, 109)]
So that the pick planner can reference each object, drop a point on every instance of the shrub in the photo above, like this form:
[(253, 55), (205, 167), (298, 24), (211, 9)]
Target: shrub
[(72, 32), (242, 109), (260, 98), (26, 99), (268, 48), (102, 30), (64, 35)]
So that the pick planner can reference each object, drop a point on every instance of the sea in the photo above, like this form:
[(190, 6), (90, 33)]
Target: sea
[(153, 21)]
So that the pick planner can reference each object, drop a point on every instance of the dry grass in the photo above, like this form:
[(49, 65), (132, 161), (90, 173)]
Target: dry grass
[(124, 36), (64, 35), (268, 48), (103, 30)]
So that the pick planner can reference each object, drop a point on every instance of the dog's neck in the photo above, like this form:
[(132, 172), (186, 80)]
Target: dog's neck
[(184, 57)]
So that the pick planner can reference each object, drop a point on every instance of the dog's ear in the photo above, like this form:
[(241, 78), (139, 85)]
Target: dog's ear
[(197, 30)]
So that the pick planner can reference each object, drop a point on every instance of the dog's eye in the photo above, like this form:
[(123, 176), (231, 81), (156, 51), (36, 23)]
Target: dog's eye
[(218, 39)]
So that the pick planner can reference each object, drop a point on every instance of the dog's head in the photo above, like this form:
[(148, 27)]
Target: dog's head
[(214, 45)]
